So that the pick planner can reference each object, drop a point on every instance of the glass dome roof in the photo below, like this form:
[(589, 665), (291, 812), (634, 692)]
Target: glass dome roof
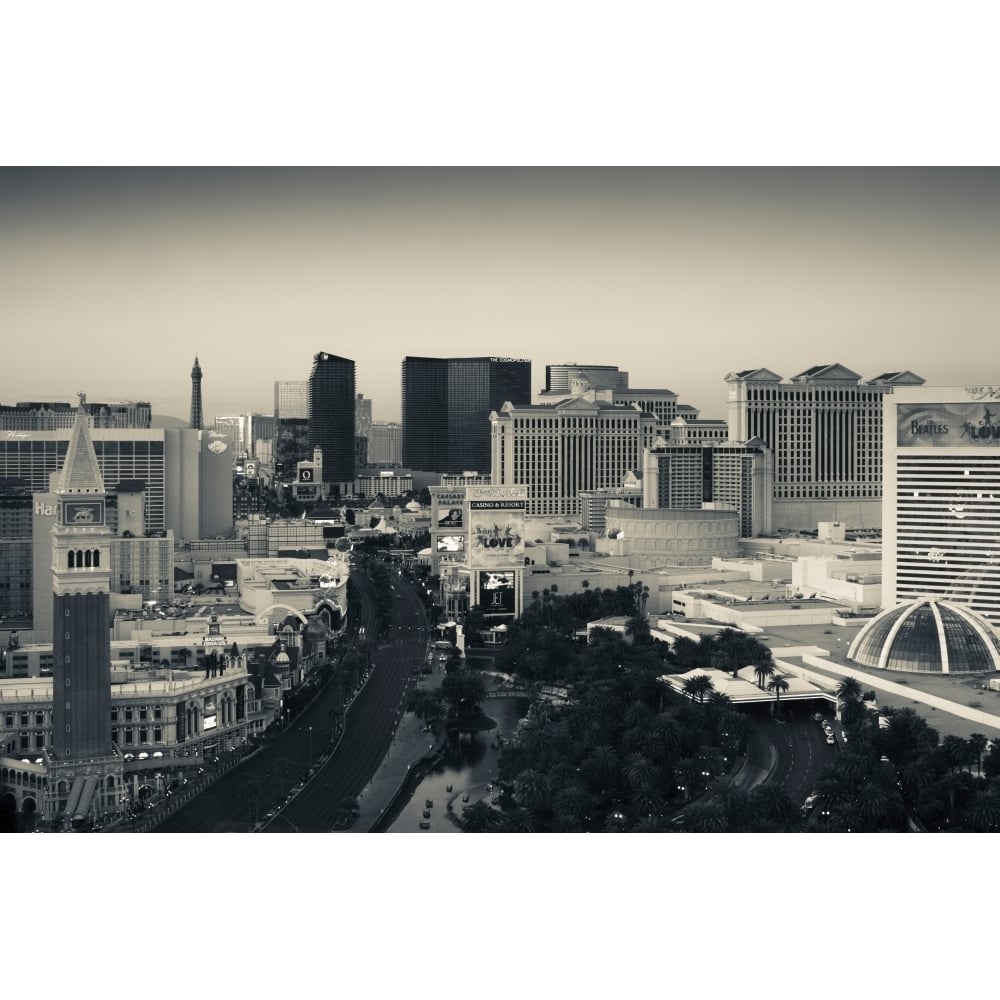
[(928, 635)]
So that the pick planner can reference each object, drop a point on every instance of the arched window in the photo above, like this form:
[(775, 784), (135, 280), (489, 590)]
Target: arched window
[(79, 558), (86, 558), (97, 557), (72, 559)]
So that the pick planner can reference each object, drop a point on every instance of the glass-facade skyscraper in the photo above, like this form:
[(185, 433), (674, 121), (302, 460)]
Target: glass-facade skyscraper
[(332, 416), (447, 404)]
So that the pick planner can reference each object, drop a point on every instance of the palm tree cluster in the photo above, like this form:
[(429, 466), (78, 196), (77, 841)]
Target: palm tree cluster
[(768, 808), (729, 650), (625, 753), (902, 775)]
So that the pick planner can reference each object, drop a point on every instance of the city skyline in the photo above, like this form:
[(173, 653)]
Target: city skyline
[(676, 275)]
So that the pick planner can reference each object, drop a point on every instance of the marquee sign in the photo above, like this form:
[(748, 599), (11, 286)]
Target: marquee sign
[(948, 425), (496, 532)]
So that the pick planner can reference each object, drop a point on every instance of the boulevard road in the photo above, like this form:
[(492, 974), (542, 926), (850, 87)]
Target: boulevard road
[(265, 778)]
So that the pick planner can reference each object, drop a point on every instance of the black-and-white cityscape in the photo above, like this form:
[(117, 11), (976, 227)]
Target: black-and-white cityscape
[(499, 500)]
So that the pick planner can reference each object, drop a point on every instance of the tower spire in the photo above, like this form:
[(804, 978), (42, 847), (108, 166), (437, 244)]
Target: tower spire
[(196, 417), (81, 472)]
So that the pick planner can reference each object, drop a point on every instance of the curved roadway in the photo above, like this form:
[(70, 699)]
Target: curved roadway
[(227, 805)]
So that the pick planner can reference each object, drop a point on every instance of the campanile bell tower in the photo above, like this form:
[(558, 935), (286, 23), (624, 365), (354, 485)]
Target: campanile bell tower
[(83, 761)]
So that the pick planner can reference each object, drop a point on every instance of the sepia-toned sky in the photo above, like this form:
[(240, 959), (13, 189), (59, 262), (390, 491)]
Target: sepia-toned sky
[(112, 280)]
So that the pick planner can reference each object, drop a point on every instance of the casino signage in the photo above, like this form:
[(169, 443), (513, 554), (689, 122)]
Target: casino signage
[(947, 425)]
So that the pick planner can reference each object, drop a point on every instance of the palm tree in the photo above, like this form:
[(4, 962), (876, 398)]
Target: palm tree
[(778, 685), (573, 808), (705, 817), (698, 686), (763, 672), (531, 789), (479, 818), (977, 742), (639, 772), (849, 690), (603, 768), (984, 813), (637, 627), (518, 820)]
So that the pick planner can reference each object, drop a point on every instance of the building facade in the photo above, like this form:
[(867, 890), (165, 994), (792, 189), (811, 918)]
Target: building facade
[(825, 429), (332, 419), (941, 505), (447, 404), (652, 539), (559, 378), (727, 476), (556, 451), (291, 425), (385, 445), (54, 416), (122, 454)]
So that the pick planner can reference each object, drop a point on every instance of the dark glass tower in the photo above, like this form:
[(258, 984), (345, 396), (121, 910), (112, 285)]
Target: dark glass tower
[(331, 416), (446, 408), (196, 417)]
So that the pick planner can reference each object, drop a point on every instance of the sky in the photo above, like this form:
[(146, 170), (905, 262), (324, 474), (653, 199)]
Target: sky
[(112, 280)]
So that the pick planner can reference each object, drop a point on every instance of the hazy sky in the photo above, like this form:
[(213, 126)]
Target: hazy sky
[(111, 281)]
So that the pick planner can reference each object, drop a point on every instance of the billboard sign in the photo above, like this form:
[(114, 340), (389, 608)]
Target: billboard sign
[(496, 532), (451, 543), (450, 517), (496, 593), (948, 425)]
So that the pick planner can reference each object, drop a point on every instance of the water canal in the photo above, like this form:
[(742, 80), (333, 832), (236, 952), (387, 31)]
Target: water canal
[(468, 767)]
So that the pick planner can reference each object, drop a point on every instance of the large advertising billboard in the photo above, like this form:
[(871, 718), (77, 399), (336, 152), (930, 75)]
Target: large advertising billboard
[(451, 543), (496, 532), (948, 425), (496, 593), (450, 517)]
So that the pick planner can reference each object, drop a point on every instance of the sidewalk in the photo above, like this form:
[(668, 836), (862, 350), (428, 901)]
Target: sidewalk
[(410, 745)]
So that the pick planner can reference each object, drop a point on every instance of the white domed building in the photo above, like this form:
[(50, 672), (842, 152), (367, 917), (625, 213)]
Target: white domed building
[(928, 635)]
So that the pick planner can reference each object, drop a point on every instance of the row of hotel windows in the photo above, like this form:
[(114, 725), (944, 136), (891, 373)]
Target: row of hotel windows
[(124, 737), (140, 713)]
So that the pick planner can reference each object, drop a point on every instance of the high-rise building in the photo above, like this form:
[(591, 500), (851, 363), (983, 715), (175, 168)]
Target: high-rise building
[(291, 426), (447, 404), (385, 447), (53, 416), (122, 454), (233, 428), (291, 400), (83, 761), (196, 412), (712, 475), (825, 429), (15, 549), (941, 502), (331, 419), (583, 443), (567, 381), (362, 430), (559, 378)]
